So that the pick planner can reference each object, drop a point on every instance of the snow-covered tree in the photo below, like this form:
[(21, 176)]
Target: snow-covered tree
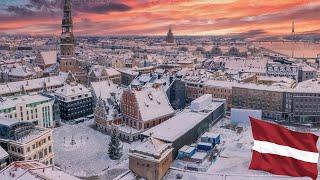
[(115, 148)]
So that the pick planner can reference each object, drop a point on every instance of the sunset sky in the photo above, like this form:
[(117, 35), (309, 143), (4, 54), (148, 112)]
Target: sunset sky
[(153, 17)]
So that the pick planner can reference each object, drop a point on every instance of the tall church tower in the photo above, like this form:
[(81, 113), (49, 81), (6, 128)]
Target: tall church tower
[(67, 42)]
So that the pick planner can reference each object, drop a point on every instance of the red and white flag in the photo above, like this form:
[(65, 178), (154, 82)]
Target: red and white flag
[(281, 151)]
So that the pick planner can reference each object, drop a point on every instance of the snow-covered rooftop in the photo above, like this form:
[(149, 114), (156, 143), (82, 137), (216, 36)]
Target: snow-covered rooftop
[(105, 88), (33, 170), (152, 103), (150, 147), (24, 99), (49, 57), (179, 124), (15, 87), (72, 90), (99, 71)]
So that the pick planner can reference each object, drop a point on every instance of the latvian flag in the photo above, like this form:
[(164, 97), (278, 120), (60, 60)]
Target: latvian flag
[(281, 151)]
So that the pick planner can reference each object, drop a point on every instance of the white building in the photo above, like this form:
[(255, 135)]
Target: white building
[(31, 108)]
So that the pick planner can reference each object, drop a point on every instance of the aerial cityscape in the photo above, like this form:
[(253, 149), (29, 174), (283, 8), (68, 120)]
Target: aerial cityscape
[(159, 89)]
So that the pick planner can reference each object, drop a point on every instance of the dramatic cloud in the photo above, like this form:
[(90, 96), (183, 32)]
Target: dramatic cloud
[(53, 8), (153, 17), (102, 8)]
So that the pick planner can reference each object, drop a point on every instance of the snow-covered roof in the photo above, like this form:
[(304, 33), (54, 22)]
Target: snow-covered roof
[(151, 146), (186, 149), (33, 170), (179, 124), (49, 57), (152, 103), (308, 86), (176, 126), (105, 88), (19, 71), (210, 135), (99, 71), (24, 99), (15, 87), (69, 90)]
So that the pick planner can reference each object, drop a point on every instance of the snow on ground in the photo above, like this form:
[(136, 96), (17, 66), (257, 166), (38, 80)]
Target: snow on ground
[(88, 157), (236, 150), (192, 175)]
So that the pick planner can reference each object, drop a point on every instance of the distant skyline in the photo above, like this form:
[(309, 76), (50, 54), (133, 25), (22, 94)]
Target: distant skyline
[(153, 17)]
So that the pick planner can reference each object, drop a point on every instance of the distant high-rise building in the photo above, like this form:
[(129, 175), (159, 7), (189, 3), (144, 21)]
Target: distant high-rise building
[(170, 38), (68, 61)]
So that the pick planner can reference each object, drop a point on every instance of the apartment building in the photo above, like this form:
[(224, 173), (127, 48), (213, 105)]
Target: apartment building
[(37, 109), (75, 101), (270, 101), (25, 141), (196, 87)]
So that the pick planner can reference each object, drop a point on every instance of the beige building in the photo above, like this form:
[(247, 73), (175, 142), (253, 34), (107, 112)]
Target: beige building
[(218, 89), (270, 101), (151, 159), (24, 141)]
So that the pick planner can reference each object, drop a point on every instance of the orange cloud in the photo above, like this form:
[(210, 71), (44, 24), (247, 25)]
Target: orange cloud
[(195, 17)]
